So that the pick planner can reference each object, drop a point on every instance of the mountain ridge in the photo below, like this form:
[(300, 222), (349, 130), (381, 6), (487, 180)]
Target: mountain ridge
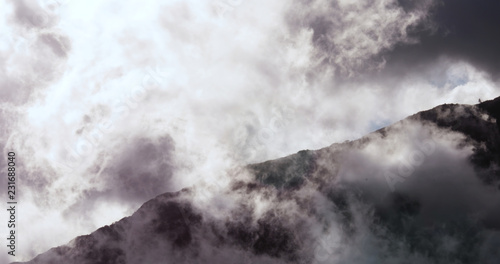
[(296, 186)]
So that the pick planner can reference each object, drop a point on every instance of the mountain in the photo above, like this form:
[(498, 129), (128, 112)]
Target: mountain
[(423, 190)]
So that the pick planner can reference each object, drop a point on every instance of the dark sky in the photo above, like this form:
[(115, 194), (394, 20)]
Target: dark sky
[(461, 29)]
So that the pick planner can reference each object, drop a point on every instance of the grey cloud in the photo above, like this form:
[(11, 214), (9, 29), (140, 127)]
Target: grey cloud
[(26, 66), (59, 44), (141, 169), (13, 90), (30, 15)]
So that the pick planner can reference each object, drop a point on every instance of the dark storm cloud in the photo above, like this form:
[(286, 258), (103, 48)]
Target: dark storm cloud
[(462, 29), (138, 169), (141, 169)]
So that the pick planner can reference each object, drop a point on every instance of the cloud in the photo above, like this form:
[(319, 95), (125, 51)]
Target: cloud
[(86, 86), (349, 35), (31, 15)]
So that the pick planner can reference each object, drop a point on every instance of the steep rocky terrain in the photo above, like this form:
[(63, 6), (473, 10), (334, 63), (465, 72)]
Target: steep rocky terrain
[(423, 190)]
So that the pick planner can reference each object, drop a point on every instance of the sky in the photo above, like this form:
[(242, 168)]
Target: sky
[(110, 103)]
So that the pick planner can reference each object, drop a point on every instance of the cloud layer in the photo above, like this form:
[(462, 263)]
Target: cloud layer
[(99, 98)]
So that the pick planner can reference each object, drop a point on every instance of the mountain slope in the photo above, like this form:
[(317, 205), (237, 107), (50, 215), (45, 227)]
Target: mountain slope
[(423, 190)]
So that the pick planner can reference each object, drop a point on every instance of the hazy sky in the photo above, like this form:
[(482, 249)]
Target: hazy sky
[(110, 103)]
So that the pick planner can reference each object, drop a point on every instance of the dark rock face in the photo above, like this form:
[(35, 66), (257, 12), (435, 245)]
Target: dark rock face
[(332, 206), (492, 107), (174, 223), (287, 172)]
